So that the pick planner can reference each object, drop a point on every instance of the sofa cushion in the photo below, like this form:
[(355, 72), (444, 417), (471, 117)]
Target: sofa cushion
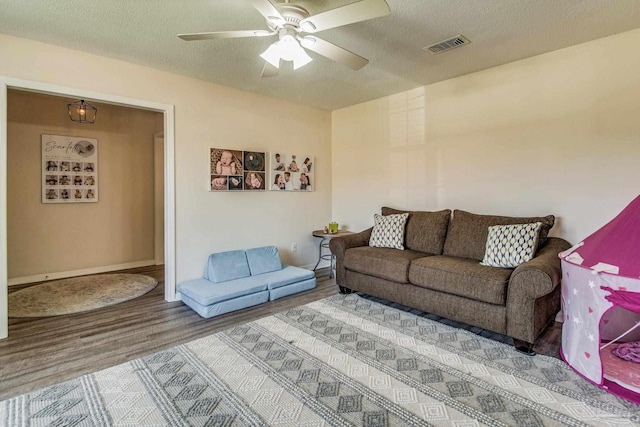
[(425, 231), (205, 292), (508, 246), (227, 306), (390, 264), (461, 276), (263, 260), (286, 276), (291, 289), (467, 235), (223, 266), (388, 231)]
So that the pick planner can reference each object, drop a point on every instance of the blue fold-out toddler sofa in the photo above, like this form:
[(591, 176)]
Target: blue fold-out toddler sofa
[(238, 279)]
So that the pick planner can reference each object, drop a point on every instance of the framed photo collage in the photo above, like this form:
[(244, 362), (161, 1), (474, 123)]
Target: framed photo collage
[(69, 169), (236, 170)]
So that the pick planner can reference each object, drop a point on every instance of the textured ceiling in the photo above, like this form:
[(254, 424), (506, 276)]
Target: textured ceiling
[(144, 32)]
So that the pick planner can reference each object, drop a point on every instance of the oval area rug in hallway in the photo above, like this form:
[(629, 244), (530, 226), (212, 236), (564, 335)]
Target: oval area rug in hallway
[(78, 294)]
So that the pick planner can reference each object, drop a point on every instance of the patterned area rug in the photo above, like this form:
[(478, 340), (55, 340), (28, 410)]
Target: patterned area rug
[(341, 361), (78, 294)]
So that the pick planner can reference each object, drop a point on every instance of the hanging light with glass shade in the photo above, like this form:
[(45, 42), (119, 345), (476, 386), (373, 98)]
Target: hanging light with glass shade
[(82, 112)]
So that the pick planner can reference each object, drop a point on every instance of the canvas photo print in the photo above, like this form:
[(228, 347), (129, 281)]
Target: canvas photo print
[(236, 170), (69, 169), (291, 172)]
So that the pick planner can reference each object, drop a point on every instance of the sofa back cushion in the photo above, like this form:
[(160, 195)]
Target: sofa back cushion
[(467, 235), (425, 231), (263, 260), (223, 266)]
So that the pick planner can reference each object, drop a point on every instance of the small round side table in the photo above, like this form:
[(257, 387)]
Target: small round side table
[(324, 243)]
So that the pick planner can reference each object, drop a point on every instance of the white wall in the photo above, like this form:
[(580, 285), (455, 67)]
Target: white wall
[(206, 115), (554, 134)]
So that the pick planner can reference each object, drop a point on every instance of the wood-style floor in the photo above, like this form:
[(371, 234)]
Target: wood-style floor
[(44, 351)]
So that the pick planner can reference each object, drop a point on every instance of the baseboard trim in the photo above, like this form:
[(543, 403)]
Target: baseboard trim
[(323, 264), (66, 274)]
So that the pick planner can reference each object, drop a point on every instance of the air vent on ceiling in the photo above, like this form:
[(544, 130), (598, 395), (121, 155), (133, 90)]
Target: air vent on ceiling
[(448, 44)]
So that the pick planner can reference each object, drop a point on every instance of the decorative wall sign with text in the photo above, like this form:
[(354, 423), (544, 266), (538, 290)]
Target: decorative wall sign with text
[(235, 170), (69, 169)]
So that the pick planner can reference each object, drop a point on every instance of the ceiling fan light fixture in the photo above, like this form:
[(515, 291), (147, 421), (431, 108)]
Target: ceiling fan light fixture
[(290, 21), (272, 55), (301, 59), (292, 51), (286, 49)]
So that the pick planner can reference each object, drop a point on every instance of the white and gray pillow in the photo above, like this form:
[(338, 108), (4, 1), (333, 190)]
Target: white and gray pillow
[(388, 231), (508, 246)]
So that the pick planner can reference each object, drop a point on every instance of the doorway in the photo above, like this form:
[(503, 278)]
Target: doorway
[(169, 175)]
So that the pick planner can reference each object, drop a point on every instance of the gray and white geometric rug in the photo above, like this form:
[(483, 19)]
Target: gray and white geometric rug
[(341, 361)]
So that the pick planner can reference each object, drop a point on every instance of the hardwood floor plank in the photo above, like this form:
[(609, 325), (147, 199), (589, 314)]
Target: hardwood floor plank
[(44, 351)]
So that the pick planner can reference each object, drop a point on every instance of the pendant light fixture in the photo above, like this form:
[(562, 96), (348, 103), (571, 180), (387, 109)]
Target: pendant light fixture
[(82, 112)]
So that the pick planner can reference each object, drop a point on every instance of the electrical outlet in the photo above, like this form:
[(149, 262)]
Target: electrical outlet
[(294, 247)]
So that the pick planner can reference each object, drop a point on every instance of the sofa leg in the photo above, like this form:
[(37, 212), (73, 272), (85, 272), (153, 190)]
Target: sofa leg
[(344, 290), (524, 347)]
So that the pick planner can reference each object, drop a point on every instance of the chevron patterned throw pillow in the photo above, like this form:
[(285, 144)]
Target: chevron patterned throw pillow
[(388, 231), (508, 246)]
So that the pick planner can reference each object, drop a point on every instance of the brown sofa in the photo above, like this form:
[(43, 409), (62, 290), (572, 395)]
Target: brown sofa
[(440, 272)]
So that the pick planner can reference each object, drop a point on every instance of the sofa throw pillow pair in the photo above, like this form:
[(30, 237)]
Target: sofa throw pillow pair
[(508, 246), (388, 231)]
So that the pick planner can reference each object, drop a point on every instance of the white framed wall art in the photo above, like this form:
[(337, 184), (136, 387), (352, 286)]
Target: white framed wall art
[(69, 169)]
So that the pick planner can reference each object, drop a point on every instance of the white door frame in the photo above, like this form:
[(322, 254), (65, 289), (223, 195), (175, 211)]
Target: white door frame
[(7, 83)]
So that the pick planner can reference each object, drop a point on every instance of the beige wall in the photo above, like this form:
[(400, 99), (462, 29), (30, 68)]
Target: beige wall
[(206, 115), (54, 238), (558, 133)]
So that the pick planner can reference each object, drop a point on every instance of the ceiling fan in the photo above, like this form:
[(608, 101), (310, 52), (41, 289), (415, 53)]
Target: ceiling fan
[(293, 26)]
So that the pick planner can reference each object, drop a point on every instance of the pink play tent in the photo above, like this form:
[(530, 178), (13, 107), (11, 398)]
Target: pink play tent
[(601, 305)]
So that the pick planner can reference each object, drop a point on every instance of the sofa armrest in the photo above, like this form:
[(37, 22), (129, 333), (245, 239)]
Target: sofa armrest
[(542, 274), (339, 246), (532, 297)]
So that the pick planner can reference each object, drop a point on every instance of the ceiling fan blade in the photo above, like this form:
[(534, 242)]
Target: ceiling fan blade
[(354, 12), (266, 9), (333, 52), (225, 35), (269, 70)]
